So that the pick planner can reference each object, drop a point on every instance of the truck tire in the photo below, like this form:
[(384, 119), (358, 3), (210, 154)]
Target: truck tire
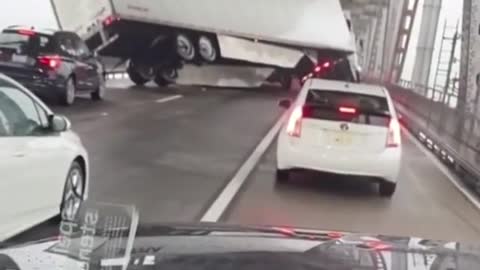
[(387, 189), (166, 77), (184, 47), (136, 77), (99, 93), (286, 81), (67, 97), (282, 176), (207, 49), (160, 81)]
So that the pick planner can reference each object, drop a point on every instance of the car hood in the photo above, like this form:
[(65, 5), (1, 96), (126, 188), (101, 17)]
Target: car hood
[(210, 246)]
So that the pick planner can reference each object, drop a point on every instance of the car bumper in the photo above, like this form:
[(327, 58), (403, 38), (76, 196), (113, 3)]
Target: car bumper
[(41, 84), (384, 165)]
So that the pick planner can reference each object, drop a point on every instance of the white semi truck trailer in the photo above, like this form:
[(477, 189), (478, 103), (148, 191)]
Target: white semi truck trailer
[(157, 38)]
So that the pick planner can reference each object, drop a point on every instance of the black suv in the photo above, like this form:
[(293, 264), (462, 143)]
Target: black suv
[(51, 63)]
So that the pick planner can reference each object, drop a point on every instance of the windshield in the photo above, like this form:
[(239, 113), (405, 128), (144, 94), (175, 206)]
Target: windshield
[(326, 134), (347, 107), (25, 43)]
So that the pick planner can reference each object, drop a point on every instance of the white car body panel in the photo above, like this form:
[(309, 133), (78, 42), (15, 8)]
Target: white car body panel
[(315, 149), (37, 254), (34, 170)]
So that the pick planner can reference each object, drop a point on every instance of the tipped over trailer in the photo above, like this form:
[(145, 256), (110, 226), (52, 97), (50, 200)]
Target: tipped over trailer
[(157, 38)]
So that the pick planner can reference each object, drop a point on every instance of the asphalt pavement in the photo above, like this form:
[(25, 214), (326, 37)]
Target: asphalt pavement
[(426, 203), (171, 152)]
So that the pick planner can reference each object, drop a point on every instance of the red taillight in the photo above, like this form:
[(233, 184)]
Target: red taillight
[(393, 136), (326, 64), (335, 235), (286, 231), (26, 32), (377, 245), (109, 20), (294, 125), (50, 61), (349, 110), (318, 69)]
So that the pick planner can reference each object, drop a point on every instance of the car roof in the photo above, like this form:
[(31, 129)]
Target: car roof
[(48, 32), (341, 86)]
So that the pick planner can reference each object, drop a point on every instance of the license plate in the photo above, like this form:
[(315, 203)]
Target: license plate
[(19, 58), (342, 138)]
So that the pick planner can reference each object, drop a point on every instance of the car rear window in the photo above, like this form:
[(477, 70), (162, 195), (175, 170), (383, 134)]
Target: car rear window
[(25, 44), (347, 107)]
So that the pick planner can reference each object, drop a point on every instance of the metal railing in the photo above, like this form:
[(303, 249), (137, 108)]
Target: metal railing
[(445, 124), (116, 75), (436, 95)]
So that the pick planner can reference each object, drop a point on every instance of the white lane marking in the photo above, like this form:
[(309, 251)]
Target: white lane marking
[(451, 177), (167, 99), (219, 206), (114, 262), (149, 260)]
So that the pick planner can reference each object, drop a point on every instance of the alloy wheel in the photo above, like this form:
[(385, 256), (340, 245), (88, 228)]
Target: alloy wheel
[(73, 194)]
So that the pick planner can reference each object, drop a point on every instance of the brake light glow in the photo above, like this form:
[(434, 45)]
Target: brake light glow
[(335, 235), (109, 20), (393, 136), (318, 68), (50, 61), (349, 110), (26, 32), (286, 231), (294, 125), (326, 64), (377, 245)]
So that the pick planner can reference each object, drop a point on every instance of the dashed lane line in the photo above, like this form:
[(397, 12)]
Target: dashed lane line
[(216, 210), (169, 98)]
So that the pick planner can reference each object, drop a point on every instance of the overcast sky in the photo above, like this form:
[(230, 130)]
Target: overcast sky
[(39, 13), (29, 12)]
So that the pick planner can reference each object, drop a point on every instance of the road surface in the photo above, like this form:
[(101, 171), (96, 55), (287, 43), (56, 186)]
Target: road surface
[(172, 151)]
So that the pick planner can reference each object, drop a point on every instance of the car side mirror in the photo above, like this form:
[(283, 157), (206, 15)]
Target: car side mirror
[(285, 103), (59, 123)]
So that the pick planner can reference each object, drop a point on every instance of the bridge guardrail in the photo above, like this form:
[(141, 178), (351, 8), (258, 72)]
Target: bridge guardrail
[(116, 74), (439, 121)]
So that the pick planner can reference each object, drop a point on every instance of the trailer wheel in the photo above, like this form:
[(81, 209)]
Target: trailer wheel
[(136, 77), (207, 49), (185, 48), (286, 81), (166, 76)]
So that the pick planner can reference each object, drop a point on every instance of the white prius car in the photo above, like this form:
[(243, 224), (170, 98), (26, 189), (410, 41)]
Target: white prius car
[(43, 164), (342, 128)]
